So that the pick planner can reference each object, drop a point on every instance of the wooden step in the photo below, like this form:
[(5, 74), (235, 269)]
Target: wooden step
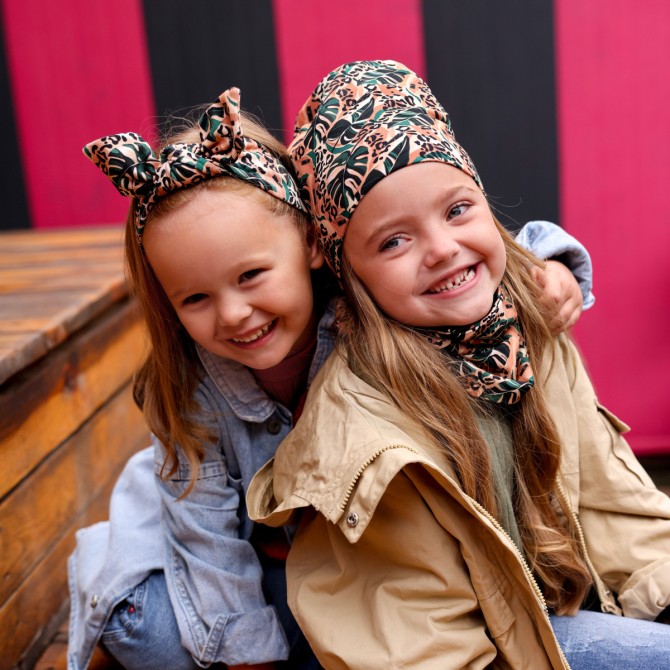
[(70, 342)]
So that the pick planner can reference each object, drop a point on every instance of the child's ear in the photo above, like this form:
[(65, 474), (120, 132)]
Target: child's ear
[(315, 254)]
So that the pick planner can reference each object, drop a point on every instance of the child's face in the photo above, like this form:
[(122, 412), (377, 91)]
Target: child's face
[(424, 243), (237, 275)]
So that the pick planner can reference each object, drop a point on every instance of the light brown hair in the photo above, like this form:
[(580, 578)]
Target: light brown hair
[(165, 384), (412, 373)]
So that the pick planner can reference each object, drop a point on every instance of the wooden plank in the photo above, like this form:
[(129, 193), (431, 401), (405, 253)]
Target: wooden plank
[(63, 238), (35, 514), (51, 284), (47, 402), (52, 279), (66, 308), (31, 608), (24, 345), (59, 256), (55, 657)]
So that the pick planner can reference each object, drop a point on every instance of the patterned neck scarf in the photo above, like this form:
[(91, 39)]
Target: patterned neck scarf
[(129, 162), (490, 355)]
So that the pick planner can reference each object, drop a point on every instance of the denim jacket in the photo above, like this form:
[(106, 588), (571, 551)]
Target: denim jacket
[(202, 541)]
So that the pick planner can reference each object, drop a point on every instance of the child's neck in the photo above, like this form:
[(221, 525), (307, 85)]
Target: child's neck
[(286, 382)]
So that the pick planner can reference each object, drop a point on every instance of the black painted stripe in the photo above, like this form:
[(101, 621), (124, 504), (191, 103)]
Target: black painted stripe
[(491, 64), (14, 201), (200, 48)]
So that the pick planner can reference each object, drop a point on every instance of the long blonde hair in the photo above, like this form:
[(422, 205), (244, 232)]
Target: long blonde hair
[(400, 362), (165, 384)]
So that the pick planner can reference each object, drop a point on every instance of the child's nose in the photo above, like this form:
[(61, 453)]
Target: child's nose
[(439, 246), (232, 310)]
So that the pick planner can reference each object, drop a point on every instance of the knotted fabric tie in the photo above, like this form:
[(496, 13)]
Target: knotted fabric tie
[(129, 162), (490, 355)]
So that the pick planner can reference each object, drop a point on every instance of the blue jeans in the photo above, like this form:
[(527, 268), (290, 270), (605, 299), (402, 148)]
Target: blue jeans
[(142, 632), (597, 641)]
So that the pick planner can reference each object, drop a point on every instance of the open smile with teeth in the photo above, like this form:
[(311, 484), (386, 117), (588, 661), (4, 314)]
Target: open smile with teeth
[(255, 336), (454, 281)]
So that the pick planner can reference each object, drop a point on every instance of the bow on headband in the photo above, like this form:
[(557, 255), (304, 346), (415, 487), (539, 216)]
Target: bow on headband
[(129, 162)]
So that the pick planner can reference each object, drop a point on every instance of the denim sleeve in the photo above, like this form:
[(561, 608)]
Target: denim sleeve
[(213, 575), (547, 240)]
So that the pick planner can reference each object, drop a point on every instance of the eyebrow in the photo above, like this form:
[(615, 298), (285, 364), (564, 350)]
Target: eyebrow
[(393, 221), (255, 260), (180, 293)]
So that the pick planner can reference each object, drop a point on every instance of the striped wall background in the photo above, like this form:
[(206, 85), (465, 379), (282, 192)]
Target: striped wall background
[(563, 105)]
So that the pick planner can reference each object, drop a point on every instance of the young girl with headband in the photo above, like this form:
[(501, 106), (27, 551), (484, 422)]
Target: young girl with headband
[(465, 501), (220, 258)]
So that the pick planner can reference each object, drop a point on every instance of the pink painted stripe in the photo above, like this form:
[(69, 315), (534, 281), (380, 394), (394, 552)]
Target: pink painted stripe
[(614, 148), (78, 70), (314, 38)]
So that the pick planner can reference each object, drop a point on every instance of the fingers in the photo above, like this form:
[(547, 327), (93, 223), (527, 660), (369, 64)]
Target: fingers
[(561, 295), (538, 274)]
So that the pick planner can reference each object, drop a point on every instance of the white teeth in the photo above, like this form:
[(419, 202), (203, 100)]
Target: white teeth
[(256, 335), (455, 282)]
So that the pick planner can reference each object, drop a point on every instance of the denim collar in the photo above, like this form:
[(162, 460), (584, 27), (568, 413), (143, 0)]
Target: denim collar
[(238, 386)]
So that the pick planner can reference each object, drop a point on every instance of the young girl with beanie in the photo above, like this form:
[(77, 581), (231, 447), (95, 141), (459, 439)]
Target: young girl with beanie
[(464, 500)]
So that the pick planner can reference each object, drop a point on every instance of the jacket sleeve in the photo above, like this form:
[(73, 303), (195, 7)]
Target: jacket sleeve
[(548, 241), (213, 575), (394, 598), (625, 518)]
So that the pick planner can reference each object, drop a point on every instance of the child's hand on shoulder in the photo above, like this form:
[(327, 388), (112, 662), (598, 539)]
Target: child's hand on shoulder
[(561, 294)]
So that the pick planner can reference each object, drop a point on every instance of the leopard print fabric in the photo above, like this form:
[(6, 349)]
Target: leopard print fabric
[(129, 162), (363, 121), (490, 355)]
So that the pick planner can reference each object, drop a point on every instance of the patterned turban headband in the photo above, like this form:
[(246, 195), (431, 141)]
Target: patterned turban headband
[(363, 121), (223, 150)]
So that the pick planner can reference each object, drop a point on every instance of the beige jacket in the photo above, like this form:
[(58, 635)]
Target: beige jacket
[(393, 566)]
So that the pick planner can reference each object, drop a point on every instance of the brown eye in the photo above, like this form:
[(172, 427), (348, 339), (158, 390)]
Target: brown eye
[(192, 299), (250, 274)]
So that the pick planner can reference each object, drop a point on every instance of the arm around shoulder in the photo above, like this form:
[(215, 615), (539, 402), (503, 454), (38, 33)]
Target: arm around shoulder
[(548, 241)]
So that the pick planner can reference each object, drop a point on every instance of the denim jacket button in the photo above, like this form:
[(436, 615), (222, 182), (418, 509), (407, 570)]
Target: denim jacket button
[(274, 426), (94, 601)]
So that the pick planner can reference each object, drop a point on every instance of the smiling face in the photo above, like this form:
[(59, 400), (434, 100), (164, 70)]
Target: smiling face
[(425, 244), (237, 275)]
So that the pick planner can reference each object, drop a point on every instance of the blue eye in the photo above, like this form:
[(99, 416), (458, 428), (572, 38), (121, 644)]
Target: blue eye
[(457, 210), (391, 243)]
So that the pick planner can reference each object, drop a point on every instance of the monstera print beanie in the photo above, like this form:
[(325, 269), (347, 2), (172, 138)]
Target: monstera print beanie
[(363, 121)]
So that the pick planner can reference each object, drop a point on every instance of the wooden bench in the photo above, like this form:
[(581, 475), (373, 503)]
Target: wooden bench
[(70, 340)]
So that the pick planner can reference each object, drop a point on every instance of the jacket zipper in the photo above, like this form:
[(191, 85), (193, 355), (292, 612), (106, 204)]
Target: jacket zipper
[(607, 604), (484, 512), (359, 472), (526, 568)]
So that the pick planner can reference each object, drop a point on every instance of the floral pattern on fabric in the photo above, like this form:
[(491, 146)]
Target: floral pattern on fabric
[(363, 121), (490, 355), (129, 162)]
